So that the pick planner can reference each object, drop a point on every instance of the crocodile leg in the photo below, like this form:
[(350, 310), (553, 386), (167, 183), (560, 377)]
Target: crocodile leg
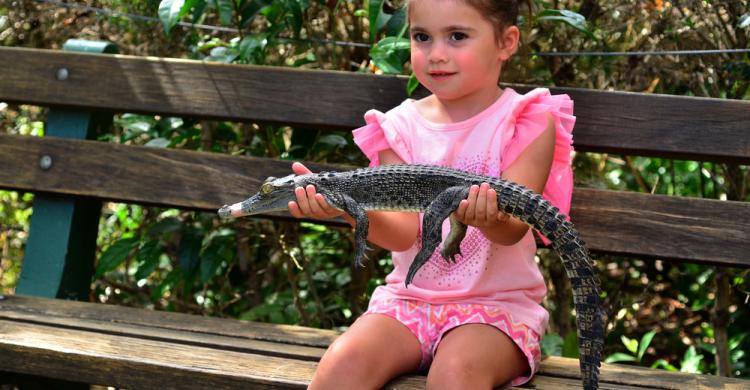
[(356, 211), (440, 208), (452, 243)]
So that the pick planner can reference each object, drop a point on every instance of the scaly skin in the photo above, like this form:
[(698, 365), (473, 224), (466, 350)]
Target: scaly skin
[(437, 191)]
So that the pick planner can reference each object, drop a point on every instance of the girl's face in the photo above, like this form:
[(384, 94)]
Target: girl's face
[(455, 52)]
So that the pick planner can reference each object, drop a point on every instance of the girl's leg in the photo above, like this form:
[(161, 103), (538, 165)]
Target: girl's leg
[(475, 356), (374, 350)]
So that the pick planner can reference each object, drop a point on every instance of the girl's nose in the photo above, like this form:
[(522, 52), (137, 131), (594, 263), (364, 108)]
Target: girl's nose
[(438, 52)]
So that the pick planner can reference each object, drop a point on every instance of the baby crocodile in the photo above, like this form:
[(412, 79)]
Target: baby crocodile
[(437, 191)]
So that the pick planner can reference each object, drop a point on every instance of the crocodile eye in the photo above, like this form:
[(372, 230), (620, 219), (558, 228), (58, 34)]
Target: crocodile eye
[(266, 188)]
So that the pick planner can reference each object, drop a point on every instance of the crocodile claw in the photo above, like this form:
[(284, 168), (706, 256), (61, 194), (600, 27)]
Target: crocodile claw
[(451, 251)]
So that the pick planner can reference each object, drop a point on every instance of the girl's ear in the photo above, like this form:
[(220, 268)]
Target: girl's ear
[(509, 42)]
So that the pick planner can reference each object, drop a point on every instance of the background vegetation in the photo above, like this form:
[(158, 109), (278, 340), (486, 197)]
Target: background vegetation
[(661, 314)]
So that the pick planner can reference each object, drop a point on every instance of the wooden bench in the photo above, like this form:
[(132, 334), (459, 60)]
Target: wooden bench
[(92, 343)]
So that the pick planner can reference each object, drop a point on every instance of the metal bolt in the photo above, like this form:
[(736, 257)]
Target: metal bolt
[(62, 74), (45, 162)]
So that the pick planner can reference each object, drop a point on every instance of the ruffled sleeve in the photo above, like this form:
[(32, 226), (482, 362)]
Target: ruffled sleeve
[(380, 133), (530, 122)]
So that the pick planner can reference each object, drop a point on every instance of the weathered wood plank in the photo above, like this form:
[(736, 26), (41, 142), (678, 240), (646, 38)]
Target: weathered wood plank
[(642, 377), (680, 127), (616, 122), (179, 87), (666, 227), (154, 332), (131, 362), (157, 176), (32, 326), (144, 364), (82, 315), (698, 230)]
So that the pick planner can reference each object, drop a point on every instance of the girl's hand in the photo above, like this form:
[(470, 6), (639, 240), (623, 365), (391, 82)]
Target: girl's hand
[(310, 204), (479, 209)]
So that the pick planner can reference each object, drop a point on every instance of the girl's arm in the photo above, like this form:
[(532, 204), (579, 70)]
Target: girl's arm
[(391, 230), (531, 170)]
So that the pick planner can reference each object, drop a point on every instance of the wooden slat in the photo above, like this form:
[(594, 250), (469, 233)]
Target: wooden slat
[(666, 227), (194, 88), (166, 177), (119, 317), (642, 377), (699, 230), (238, 342), (180, 332), (681, 127), (143, 364), (130, 362), (616, 122)]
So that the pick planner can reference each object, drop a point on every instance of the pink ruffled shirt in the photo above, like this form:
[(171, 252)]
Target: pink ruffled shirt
[(487, 273)]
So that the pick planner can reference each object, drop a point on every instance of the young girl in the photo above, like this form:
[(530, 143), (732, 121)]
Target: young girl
[(475, 323)]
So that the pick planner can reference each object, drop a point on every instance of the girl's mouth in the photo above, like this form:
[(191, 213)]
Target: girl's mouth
[(440, 75)]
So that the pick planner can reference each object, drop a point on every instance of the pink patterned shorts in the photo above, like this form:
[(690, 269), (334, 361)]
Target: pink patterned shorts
[(430, 322)]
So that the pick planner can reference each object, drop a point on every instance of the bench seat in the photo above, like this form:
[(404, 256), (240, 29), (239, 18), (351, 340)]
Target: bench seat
[(143, 349)]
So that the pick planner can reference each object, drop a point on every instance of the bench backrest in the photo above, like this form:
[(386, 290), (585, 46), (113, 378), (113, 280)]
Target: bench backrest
[(617, 222)]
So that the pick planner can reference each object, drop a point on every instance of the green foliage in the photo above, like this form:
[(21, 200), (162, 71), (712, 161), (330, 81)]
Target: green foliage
[(691, 363), (636, 348), (14, 214), (554, 345), (570, 18), (115, 255), (390, 54), (744, 21)]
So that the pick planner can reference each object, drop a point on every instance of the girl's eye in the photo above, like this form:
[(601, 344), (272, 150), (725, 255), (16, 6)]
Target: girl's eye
[(420, 37), (458, 36)]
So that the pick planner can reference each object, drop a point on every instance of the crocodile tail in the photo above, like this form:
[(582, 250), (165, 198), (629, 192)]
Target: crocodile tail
[(539, 213), (589, 313)]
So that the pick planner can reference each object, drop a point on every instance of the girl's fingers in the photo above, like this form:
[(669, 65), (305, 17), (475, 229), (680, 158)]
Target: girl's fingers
[(492, 210), (319, 206), (322, 202), (472, 198), (300, 169), (480, 211), (314, 206), (328, 210), (302, 202), (461, 210), (311, 204), (294, 209)]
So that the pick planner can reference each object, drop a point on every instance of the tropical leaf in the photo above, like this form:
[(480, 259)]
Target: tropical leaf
[(115, 255), (377, 17), (571, 18), (630, 344), (644, 343), (390, 54), (148, 256), (619, 357), (169, 13), (412, 85), (744, 21)]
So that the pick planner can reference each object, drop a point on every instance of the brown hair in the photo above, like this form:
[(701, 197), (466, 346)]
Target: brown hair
[(501, 13)]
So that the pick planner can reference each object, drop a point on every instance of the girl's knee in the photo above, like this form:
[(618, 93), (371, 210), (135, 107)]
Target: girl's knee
[(345, 355), (458, 372), (343, 366)]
